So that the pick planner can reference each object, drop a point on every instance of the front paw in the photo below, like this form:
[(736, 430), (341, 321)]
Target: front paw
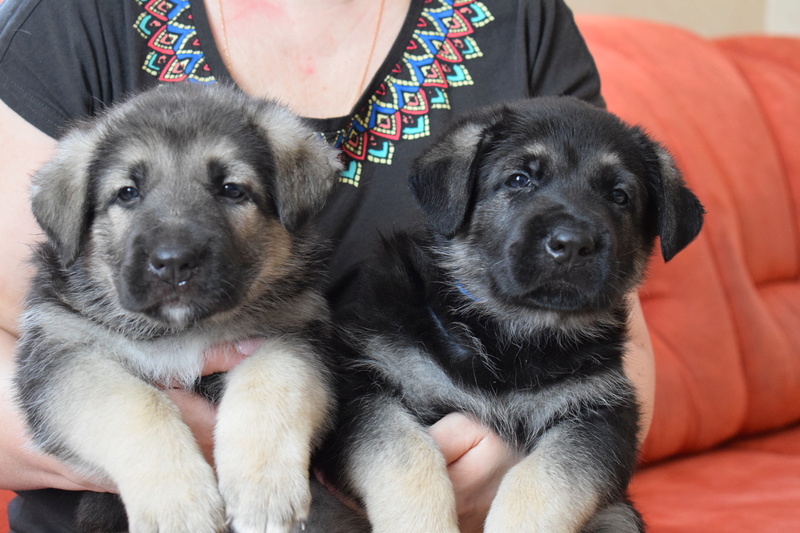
[(194, 507), (270, 501), (274, 408), (539, 497)]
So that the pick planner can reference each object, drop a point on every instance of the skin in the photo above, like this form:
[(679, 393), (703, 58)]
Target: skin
[(298, 68)]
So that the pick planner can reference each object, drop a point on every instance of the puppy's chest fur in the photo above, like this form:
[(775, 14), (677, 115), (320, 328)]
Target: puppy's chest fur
[(476, 351), (435, 354)]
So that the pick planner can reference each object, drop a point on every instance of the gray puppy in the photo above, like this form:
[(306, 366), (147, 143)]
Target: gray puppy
[(510, 308), (175, 221)]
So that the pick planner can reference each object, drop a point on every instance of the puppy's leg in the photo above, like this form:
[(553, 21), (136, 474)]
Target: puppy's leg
[(560, 485), (272, 414), (121, 427), (329, 515), (619, 517), (397, 469)]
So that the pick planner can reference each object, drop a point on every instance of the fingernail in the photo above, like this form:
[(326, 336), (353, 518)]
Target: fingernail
[(248, 346)]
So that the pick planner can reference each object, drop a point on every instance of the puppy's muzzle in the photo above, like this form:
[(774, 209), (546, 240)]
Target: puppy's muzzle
[(186, 271), (558, 261)]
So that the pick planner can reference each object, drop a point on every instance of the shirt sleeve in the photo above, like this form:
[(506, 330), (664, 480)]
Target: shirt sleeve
[(61, 60), (559, 60)]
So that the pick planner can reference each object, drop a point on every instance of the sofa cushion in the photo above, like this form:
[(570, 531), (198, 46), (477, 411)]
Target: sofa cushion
[(750, 485), (771, 68), (5, 497), (724, 314)]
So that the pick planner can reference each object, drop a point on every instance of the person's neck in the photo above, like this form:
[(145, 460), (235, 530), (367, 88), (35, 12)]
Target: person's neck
[(317, 56)]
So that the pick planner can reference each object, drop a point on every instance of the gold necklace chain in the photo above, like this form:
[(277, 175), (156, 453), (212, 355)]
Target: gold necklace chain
[(226, 56), (360, 88)]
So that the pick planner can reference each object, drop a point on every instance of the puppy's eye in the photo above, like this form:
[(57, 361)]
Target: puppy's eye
[(518, 181), (619, 197), (233, 191), (127, 195)]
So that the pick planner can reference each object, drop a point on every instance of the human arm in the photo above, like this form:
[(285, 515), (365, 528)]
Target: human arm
[(23, 148)]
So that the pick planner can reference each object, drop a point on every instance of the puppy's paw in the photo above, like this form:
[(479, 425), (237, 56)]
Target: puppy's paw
[(195, 507), (273, 410), (266, 501), (618, 517), (533, 497)]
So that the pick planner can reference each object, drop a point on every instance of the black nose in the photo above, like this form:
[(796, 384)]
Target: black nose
[(572, 247), (174, 263)]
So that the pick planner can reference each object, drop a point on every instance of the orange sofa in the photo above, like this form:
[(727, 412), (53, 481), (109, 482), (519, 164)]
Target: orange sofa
[(723, 454)]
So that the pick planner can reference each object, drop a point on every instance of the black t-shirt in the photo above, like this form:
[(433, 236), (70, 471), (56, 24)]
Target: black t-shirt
[(60, 60), (66, 59)]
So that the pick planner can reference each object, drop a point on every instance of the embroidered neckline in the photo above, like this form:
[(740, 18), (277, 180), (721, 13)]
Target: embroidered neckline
[(433, 63), (175, 53)]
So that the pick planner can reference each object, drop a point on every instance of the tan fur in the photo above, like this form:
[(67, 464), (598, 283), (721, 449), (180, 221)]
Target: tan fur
[(268, 422), (135, 436), (544, 492), (404, 481)]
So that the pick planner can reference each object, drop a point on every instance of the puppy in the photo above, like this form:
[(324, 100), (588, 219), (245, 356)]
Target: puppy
[(511, 308), (176, 221)]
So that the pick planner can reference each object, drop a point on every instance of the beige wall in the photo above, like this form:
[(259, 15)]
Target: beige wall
[(707, 17)]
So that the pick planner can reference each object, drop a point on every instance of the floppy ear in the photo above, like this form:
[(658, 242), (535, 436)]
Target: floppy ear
[(441, 177), (60, 192), (679, 211), (307, 167)]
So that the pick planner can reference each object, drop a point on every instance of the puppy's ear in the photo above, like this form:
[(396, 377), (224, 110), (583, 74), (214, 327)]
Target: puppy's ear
[(442, 176), (60, 197), (679, 212), (307, 167)]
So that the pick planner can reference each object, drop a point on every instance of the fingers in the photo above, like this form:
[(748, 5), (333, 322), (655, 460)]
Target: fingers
[(200, 416), (21, 467), (320, 476), (456, 435), (75, 480), (477, 461), (223, 357), (196, 412)]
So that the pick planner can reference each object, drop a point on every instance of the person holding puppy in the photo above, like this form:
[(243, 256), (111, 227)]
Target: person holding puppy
[(378, 78)]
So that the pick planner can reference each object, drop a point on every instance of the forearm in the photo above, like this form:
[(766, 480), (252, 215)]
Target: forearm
[(639, 365), (23, 149)]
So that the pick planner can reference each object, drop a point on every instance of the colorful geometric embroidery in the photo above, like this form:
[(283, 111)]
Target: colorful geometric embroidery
[(175, 53), (432, 64)]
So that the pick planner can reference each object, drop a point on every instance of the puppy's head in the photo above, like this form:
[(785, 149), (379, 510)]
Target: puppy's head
[(552, 205), (185, 200)]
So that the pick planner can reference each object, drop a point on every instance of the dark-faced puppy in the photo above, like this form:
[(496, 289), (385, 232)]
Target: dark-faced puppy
[(512, 309), (174, 222)]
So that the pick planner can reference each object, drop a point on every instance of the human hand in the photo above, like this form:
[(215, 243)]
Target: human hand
[(477, 459)]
